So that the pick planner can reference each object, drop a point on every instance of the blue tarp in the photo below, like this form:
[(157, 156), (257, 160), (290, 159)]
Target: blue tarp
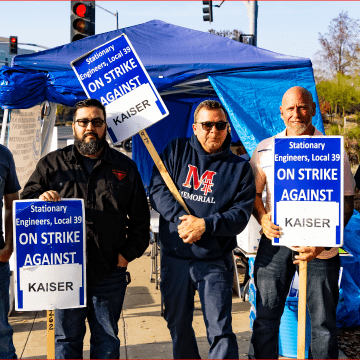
[(172, 52), (348, 310), (243, 76), (252, 100), (177, 124), (168, 128)]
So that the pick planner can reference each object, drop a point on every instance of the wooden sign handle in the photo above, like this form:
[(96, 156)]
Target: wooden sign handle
[(302, 310), (163, 172), (51, 334)]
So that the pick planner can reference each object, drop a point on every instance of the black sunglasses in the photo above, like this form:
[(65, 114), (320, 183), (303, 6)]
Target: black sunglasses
[(95, 122), (207, 126)]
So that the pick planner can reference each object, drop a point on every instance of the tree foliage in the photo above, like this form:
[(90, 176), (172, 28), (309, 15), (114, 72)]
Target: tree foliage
[(341, 92), (64, 113), (340, 46), (231, 34)]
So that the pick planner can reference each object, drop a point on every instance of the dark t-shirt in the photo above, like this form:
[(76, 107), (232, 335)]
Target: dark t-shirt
[(9, 183), (357, 178), (89, 163)]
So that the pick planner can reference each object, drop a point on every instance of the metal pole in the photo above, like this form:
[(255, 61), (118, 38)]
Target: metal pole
[(253, 20), (19, 43), (4, 125), (116, 15), (252, 14)]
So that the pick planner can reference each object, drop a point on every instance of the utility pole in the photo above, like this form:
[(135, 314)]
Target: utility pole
[(252, 14)]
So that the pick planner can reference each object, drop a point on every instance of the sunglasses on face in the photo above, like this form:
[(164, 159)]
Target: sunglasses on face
[(95, 122), (207, 126)]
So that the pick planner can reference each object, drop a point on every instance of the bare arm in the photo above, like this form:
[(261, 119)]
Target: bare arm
[(264, 219), (6, 252)]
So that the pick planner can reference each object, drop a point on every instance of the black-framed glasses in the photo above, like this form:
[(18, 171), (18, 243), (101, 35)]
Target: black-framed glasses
[(207, 126), (95, 122)]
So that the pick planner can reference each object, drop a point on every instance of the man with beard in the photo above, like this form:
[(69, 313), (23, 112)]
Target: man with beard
[(117, 227), (275, 265)]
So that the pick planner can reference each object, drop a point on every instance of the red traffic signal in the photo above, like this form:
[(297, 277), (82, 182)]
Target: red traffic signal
[(80, 9), (82, 20), (13, 45)]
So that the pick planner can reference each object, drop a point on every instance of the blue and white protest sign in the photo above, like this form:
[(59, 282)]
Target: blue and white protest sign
[(49, 246), (114, 74), (308, 190)]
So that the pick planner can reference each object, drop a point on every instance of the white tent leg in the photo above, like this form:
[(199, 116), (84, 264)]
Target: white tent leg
[(4, 124)]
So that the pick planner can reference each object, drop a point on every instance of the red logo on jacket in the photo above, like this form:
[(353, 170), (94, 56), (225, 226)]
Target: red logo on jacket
[(205, 180), (119, 174)]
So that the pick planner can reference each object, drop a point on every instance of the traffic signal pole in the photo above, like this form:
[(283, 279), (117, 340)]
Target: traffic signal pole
[(116, 15), (28, 44), (252, 14)]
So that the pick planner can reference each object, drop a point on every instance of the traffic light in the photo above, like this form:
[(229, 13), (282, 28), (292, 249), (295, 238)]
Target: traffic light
[(82, 19), (208, 10), (13, 45)]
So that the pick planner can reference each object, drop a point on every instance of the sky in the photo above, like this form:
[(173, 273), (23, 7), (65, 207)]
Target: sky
[(285, 27)]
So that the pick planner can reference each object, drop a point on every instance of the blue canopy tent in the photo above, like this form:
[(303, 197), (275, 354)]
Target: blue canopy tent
[(186, 66)]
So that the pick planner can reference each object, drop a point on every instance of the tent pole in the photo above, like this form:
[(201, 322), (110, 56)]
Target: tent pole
[(4, 125)]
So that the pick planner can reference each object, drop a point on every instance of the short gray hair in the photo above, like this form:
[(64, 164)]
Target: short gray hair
[(209, 105)]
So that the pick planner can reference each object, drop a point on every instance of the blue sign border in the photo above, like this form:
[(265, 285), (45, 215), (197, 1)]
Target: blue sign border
[(334, 147), (27, 222), (99, 67)]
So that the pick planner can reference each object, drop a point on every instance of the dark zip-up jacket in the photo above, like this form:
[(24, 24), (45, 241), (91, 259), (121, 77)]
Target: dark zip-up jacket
[(219, 188), (116, 208)]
